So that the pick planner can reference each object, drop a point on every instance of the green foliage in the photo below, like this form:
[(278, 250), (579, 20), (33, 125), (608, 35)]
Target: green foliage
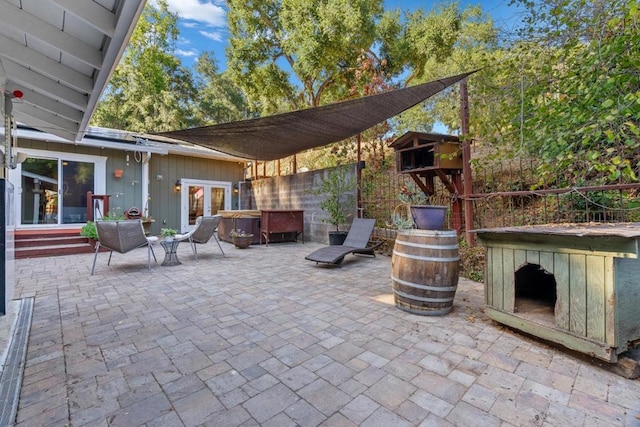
[(298, 51), (168, 232), (410, 194), (402, 222), (472, 260), (219, 100), (581, 102), (337, 190), (89, 231), (150, 91)]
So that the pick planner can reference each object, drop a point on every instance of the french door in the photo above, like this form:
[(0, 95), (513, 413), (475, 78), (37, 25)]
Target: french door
[(202, 198), (52, 187)]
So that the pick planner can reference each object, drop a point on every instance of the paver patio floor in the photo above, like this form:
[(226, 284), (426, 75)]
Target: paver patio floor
[(262, 337)]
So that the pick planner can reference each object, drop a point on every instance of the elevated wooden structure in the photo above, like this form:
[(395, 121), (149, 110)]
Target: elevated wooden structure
[(425, 156)]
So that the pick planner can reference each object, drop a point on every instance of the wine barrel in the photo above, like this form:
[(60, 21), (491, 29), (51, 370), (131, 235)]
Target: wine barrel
[(425, 267)]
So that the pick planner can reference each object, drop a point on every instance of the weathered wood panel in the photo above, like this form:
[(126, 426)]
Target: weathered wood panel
[(561, 274), (597, 285), (610, 302), (508, 280), (578, 294), (581, 344), (627, 301), (488, 277), (533, 257), (498, 285), (595, 297)]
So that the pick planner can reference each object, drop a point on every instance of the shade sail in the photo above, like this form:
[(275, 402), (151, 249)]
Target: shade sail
[(281, 135)]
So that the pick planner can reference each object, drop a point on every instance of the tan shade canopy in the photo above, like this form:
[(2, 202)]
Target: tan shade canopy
[(282, 135)]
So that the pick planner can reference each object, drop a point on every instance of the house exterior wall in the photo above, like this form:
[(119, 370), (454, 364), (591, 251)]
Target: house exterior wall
[(164, 170), (296, 192), (164, 205)]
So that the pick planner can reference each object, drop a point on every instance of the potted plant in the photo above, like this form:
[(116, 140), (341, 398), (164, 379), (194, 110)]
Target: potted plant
[(424, 216), (337, 191), (168, 233), (241, 238), (89, 231)]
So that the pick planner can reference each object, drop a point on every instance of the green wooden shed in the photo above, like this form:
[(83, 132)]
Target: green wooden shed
[(577, 285)]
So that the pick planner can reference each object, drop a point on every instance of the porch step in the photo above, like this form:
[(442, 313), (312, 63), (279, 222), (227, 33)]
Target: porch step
[(50, 243), (52, 250)]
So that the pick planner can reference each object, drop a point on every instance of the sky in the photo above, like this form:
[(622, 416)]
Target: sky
[(203, 24)]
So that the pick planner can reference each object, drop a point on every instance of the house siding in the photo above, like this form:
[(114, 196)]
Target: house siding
[(127, 191)]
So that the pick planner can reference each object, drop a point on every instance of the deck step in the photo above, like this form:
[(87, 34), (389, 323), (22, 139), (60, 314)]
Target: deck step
[(52, 250), (49, 241), (30, 244)]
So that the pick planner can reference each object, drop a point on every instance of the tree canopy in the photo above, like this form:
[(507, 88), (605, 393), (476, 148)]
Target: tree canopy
[(565, 88)]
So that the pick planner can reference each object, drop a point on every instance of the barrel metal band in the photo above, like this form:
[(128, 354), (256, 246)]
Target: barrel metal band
[(423, 299), (424, 312), (425, 287), (425, 258), (420, 245)]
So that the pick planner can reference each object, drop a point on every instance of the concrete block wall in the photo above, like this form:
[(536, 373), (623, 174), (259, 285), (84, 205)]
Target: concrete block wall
[(295, 192)]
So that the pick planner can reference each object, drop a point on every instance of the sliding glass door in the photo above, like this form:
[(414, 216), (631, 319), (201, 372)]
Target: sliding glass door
[(53, 187)]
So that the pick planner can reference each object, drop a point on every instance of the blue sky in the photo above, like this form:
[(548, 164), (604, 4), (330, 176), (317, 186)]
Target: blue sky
[(203, 23)]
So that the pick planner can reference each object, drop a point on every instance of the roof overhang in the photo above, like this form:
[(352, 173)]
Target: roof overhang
[(127, 141), (282, 135), (60, 54)]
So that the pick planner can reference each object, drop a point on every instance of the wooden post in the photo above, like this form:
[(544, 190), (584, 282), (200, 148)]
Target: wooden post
[(466, 163)]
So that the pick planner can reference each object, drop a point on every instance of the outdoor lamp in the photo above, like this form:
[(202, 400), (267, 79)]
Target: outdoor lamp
[(177, 186)]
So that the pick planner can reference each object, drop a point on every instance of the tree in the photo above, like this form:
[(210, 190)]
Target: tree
[(582, 111), (150, 91), (298, 53), (219, 100)]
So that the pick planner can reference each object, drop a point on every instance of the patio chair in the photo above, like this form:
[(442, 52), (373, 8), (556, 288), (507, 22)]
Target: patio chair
[(204, 230), (355, 243), (122, 236)]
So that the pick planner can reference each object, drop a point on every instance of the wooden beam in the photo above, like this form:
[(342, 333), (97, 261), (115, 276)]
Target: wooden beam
[(53, 69), (445, 180), (44, 86), (426, 186), (49, 34), (91, 13)]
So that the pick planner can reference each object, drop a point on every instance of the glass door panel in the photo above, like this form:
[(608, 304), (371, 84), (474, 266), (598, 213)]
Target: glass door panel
[(202, 198), (39, 204), (77, 178), (217, 200), (196, 202)]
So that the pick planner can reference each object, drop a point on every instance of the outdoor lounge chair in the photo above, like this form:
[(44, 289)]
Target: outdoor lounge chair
[(355, 243), (204, 230), (122, 237)]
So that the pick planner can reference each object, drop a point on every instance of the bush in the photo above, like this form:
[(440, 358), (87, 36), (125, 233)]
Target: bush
[(89, 231)]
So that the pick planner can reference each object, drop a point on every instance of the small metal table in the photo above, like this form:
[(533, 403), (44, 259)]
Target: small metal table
[(170, 252)]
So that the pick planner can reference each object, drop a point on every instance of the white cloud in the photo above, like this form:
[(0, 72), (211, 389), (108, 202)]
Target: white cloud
[(188, 53), (216, 36), (207, 12)]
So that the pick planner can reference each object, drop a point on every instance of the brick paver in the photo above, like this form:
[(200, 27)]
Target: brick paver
[(262, 337)]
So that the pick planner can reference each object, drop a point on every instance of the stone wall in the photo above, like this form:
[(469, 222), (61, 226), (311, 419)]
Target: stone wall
[(295, 192)]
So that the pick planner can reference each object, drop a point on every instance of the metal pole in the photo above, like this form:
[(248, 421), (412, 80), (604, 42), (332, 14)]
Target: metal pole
[(359, 179), (466, 163)]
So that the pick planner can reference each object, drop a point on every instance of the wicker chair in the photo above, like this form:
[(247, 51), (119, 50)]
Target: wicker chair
[(122, 237), (204, 230)]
